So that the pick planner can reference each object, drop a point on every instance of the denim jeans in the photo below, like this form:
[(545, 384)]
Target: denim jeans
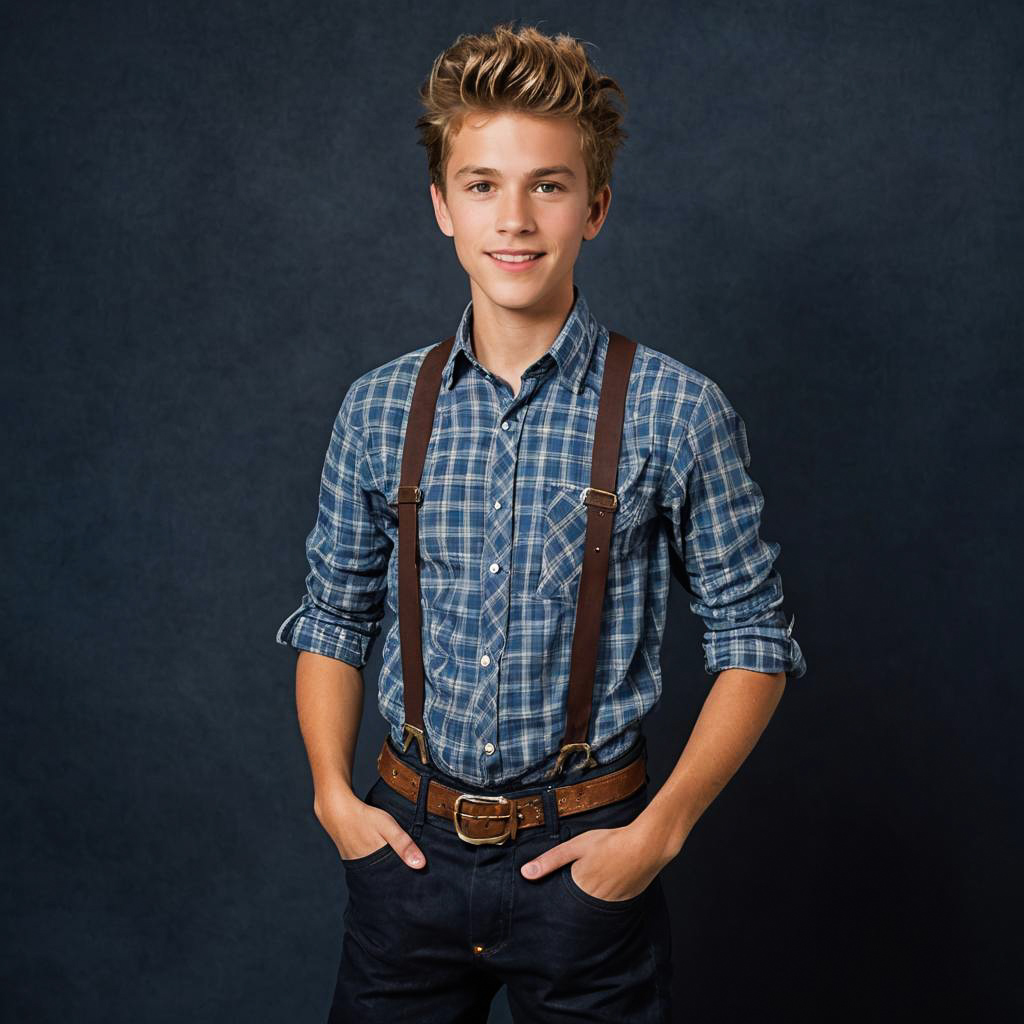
[(409, 948)]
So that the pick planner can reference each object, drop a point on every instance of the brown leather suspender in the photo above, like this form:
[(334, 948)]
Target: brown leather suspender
[(601, 502), (414, 453)]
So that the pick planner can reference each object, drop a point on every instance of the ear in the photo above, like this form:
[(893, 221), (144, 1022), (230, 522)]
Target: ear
[(441, 214), (598, 213)]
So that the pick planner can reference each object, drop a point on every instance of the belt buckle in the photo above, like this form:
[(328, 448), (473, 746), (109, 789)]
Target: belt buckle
[(510, 828)]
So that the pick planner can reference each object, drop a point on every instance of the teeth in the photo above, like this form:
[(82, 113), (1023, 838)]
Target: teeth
[(507, 258)]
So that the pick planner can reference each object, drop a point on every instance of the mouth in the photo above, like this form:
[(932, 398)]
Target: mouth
[(515, 261)]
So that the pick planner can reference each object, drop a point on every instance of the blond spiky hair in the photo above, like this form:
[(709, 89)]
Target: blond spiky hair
[(521, 71)]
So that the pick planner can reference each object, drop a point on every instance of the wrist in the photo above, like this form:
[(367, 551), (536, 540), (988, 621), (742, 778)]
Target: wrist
[(333, 790), (663, 832)]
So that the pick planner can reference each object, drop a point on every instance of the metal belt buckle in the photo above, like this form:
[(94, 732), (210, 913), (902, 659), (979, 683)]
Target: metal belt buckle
[(510, 828)]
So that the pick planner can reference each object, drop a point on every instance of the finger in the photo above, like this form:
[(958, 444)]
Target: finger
[(400, 840), (551, 859), (407, 849)]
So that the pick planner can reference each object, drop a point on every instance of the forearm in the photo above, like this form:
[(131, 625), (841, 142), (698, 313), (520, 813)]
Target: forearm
[(329, 700), (735, 713)]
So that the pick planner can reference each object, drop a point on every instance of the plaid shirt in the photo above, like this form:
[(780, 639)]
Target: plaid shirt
[(501, 531)]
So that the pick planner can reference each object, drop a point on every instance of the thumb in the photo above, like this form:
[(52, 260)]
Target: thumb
[(407, 849)]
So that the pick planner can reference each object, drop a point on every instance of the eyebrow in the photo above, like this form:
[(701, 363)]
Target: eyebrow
[(537, 172)]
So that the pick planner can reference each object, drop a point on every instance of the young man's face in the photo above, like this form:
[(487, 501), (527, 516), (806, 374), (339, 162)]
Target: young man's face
[(496, 200)]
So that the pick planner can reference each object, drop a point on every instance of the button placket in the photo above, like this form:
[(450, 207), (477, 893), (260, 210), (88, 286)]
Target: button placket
[(496, 575)]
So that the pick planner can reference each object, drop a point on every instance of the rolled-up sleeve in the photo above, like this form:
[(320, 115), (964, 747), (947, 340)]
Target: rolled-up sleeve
[(348, 552), (713, 508)]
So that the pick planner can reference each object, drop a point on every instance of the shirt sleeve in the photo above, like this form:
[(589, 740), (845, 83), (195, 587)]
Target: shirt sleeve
[(348, 553), (713, 509)]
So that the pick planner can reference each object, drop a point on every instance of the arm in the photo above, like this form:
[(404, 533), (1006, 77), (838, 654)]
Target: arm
[(329, 699), (737, 592), (734, 715), (334, 630), (713, 512)]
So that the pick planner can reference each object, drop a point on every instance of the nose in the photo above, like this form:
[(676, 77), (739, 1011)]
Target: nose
[(513, 214)]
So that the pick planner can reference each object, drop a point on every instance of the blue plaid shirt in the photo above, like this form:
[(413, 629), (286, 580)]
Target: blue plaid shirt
[(501, 531)]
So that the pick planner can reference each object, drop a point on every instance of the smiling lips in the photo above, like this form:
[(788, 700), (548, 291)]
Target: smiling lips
[(515, 260)]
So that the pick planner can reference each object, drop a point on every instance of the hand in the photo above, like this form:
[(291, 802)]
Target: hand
[(359, 829), (613, 863)]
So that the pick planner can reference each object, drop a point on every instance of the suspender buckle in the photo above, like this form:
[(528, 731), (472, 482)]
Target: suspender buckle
[(408, 493), (602, 499), (565, 752), (413, 732), (510, 826)]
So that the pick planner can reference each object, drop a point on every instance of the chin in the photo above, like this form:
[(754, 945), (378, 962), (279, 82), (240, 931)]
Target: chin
[(515, 296)]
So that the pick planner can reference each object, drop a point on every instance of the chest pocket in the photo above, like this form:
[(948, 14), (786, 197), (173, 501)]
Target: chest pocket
[(565, 528)]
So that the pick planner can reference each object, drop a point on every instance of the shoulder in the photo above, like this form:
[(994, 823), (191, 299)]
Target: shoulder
[(379, 399), (666, 390)]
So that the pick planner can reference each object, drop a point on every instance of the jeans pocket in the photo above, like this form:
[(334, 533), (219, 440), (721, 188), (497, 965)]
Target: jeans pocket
[(381, 795), (377, 856), (611, 816), (581, 894)]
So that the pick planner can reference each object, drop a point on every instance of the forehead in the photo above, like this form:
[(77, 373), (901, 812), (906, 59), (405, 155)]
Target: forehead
[(514, 143)]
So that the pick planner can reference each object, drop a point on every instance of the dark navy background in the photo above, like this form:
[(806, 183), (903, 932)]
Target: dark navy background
[(215, 217)]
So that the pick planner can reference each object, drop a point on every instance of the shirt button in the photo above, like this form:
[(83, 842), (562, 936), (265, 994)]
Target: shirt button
[(497, 504), (485, 660), (488, 748), (504, 424), (494, 567)]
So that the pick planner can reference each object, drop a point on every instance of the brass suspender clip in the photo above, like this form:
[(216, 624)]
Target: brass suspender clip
[(565, 752), (413, 732), (602, 499)]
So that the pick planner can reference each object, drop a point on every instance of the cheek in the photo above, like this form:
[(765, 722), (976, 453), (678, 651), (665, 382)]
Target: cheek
[(566, 231), (465, 246)]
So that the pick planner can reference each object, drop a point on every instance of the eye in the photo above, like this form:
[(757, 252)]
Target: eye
[(487, 184)]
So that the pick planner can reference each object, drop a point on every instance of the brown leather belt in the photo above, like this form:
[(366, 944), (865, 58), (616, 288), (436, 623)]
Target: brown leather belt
[(480, 819)]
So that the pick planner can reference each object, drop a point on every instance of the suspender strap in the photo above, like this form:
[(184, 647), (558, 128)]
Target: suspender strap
[(601, 502), (414, 453)]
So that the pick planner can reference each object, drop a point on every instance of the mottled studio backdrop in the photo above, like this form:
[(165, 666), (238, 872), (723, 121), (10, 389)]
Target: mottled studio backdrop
[(215, 217)]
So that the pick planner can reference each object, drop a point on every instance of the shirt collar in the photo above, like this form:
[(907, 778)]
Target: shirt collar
[(571, 350)]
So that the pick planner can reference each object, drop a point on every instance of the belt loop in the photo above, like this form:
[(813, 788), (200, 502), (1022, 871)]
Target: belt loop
[(551, 811)]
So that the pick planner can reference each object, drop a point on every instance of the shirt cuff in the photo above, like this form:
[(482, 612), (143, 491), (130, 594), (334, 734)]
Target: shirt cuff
[(759, 648), (305, 632)]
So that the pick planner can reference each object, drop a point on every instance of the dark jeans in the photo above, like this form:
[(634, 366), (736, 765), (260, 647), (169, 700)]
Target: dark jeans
[(565, 955)]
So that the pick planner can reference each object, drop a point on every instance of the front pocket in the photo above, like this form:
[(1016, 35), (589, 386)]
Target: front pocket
[(565, 529), (381, 795), (595, 901), (374, 857), (615, 815)]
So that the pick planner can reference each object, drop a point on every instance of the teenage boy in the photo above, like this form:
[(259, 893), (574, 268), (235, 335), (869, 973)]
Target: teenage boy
[(530, 476)]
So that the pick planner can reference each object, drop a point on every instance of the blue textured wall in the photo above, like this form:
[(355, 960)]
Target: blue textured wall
[(215, 216)]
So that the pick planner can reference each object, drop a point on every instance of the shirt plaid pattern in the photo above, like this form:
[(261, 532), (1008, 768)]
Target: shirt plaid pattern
[(501, 531)]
